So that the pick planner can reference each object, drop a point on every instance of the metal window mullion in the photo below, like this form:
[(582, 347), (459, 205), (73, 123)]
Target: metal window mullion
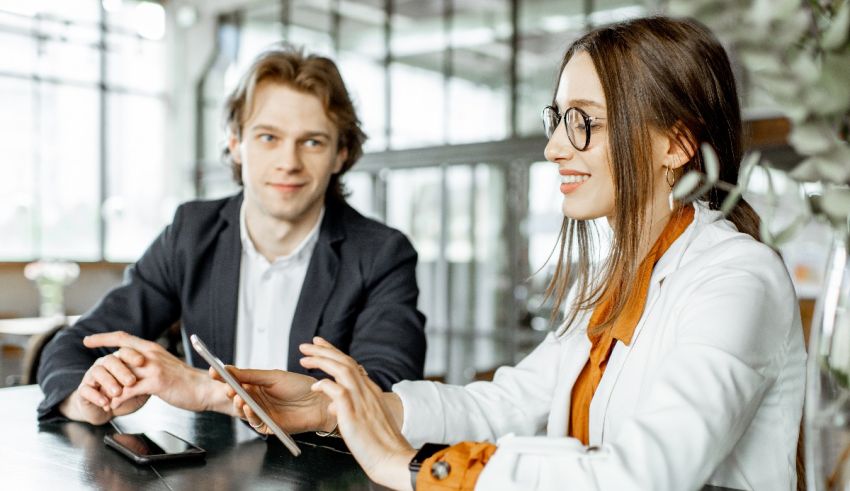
[(388, 56), (512, 69), (35, 210), (285, 18), (442, 277), (448, 66), (336, 25), (102, 134)]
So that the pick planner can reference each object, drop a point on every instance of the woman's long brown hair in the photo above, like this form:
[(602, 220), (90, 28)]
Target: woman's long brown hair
[(660, 73)]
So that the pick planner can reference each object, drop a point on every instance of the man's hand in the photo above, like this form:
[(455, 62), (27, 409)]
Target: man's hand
[(287, 397), (151, 370), (96, 399)]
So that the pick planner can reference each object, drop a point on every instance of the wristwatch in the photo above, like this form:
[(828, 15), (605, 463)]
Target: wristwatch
[(421, 456)]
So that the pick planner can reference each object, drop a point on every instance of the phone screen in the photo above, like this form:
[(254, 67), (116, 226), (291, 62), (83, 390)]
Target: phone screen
[(154, 445)]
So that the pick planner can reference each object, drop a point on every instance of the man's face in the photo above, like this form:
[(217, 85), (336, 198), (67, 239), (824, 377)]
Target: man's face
[(288, 153)]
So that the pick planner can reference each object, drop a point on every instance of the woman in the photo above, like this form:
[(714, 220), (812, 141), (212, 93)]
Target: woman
[(681, 360)]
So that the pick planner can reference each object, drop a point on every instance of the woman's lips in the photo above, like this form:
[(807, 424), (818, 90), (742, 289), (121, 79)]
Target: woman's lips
[(571, 180)]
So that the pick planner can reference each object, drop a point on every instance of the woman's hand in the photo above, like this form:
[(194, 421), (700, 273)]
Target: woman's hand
[(287, 397), (365, 421)]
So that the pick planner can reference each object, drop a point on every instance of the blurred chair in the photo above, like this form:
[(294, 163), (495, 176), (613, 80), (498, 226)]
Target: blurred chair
[(32, 355)]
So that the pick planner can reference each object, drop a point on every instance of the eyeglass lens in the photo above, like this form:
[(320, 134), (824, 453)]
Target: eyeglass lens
[(576, 126)]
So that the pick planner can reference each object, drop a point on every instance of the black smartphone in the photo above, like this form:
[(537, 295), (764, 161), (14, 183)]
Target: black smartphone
[(153, 446)]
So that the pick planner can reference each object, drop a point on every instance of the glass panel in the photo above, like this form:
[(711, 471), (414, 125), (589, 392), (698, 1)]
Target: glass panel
[(135, 63), (139, 201), (479, 89), (87, 11), (261, 26), (361, 186), (143, 18), (17, 189), (418, 43), (216, 180), (361, 63), (310, 26), (545, 30), (69, 61), (17, 46), (79, 10), (68, 172)]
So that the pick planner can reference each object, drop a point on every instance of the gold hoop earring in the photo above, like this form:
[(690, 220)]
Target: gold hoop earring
[(671, 180)]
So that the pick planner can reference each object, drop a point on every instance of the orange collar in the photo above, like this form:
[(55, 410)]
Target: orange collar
[(624, 327)]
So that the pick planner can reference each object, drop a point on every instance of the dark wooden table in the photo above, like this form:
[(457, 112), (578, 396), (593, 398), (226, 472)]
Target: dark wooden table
[(68, 456)]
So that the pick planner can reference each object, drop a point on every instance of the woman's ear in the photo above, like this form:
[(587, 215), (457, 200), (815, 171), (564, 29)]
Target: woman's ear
[(681, 147)]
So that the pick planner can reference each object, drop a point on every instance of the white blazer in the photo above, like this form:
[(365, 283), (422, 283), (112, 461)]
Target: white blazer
[(710, 391)]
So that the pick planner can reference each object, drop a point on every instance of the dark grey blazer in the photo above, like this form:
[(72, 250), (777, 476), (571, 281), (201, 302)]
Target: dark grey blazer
[(359, 293)]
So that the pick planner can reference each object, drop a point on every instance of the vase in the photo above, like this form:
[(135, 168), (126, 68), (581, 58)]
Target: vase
[(827, 412)]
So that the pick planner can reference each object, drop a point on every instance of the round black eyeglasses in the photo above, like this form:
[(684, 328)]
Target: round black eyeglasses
[(577, 125)]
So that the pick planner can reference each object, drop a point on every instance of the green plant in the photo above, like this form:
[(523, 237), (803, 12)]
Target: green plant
[(798, 52)]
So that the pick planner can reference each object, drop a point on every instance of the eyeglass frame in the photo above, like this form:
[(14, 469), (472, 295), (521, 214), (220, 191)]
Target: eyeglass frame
[(588, 120)]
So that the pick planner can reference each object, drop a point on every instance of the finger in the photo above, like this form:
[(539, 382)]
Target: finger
[(130, 357), (345, 374), (119, 370), (324, 348), (117, 339), (254, 377), (341, 397), (255, 421), (103, 379), (142, 389), (93, 396), (239, 407), (228, 391)]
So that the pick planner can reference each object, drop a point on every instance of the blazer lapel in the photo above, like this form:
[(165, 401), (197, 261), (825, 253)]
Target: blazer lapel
[(318, 285), (574, 355), (224, 294)]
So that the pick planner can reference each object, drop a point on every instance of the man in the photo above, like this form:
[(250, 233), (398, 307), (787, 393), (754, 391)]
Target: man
[(256, 274)]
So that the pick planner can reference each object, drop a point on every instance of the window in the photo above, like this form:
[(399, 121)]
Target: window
[(85, 112)]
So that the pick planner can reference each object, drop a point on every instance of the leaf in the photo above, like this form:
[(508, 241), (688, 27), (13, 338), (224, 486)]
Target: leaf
[(806, 171), (836, 203), (829, 95), (831, 169), (745, 172), (805, 67), (839, 27), (731, 200), (760, 60), (686, 184), (812, 138), (786, 234), (712, 167)]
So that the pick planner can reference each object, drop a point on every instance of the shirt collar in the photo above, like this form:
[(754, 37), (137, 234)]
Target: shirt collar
[(304, 248)]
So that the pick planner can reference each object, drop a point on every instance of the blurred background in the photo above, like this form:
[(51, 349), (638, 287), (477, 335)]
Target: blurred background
[(110, 116)]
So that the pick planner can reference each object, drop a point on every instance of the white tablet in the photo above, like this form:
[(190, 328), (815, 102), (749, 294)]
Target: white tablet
[(218, 366)]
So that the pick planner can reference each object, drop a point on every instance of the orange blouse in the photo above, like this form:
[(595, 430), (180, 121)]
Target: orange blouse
[(467, 459)]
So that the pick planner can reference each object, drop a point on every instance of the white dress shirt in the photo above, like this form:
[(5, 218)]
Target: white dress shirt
[(709, 391), (268, 296)]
